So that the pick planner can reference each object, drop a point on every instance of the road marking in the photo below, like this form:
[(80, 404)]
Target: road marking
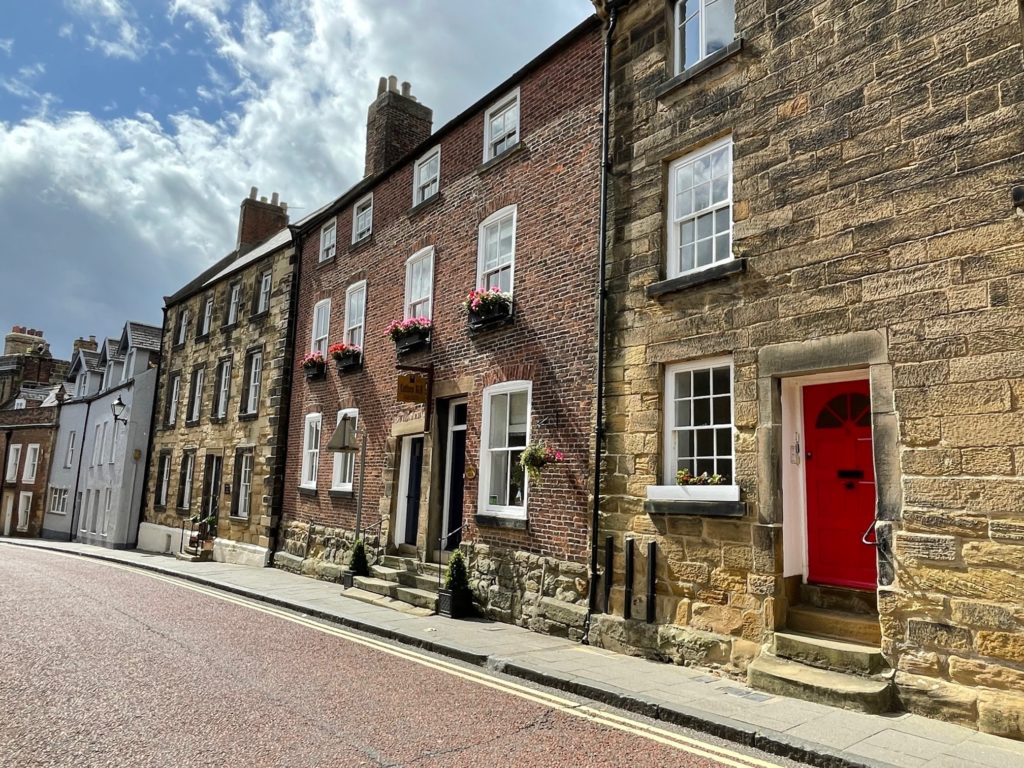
[(561, 704)]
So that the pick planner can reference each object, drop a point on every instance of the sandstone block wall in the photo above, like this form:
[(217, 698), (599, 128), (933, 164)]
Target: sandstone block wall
[(875, 146)]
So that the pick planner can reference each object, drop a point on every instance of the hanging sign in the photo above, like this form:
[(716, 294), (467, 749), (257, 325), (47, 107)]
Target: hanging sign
[(412, 388)]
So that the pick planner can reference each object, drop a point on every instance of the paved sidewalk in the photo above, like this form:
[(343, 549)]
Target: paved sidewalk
[(802, 730)]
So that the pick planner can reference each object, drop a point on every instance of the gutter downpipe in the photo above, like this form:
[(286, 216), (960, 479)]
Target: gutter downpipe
[(277, 499), (602, 294), (152, 433)]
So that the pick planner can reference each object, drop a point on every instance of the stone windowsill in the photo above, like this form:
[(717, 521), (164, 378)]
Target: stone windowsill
[(339, 494), (321, 263), (358, 245), (248, 416), (694, 279), (430, 202), (203, 338), (160, 507), (303, 491), (695, 508), (702, 66), (512, 151), (258, 316), (175, 347), (238, 520), (192, 423), (500, 521)]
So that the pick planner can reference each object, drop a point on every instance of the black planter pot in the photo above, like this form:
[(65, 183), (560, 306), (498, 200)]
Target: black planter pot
[(347, 578), (453, 605), (491, 318), (348, 363), (410, 342), (316, 371)]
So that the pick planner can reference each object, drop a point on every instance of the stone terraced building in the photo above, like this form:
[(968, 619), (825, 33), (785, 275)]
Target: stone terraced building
[(504, 195), (222, 398), (816, 293)]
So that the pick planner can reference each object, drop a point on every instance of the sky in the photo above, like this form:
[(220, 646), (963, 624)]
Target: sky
[(130, 130)]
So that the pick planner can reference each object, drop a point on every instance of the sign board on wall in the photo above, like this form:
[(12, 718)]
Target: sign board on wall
[(412, 388)]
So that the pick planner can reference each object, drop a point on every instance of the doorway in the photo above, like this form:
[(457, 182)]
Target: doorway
[(211, 485), (840, 485), (454, 475), (410, 477)]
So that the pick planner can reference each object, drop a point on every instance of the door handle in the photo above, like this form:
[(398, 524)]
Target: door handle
[(864, 539)]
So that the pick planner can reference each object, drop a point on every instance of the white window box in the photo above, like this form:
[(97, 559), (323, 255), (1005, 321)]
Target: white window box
[(693, 492)]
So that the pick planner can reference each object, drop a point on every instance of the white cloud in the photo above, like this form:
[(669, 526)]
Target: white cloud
[(114, 29), (22, 84), (6, 45), (153, 201)]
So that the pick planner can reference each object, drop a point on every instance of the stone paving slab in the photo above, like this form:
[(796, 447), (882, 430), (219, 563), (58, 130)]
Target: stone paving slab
[(814, 733)]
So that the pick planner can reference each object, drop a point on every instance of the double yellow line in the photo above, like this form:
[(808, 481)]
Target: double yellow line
[(653, 733)]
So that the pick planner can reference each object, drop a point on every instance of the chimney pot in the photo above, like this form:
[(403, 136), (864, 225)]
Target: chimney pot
[(382, 85), (273, 199), (91, 337), (406, 88), (284, 207), (392, 83), (263, 199), (253, 192)]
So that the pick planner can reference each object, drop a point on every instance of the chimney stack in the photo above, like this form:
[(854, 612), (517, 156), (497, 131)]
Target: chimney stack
[(89, 345), (395, 124), (259, 219)]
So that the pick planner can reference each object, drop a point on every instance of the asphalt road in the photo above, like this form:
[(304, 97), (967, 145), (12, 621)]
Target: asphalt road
[(104, 666)]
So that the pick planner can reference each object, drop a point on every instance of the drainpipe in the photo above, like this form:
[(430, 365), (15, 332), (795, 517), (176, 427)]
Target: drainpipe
[(152, 433), (602, 301), (277, 499), (78, 469)]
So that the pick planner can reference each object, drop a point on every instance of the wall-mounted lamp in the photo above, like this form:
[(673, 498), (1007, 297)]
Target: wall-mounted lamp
[(117, 408), (1018, 200)]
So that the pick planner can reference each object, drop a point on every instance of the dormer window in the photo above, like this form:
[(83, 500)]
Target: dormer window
[(501, 126), (427, 176), (701, 28), (362, 219), (328, 238)]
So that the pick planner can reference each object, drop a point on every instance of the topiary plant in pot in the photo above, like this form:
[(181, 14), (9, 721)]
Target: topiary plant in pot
[(357, 564), (456, 599)]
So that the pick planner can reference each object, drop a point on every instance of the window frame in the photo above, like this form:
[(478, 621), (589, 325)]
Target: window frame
[(222, 388), (250, 405), (331, 225), (322, 342), (207, 321), (668, 427), (498, 107), (195, 395), (418, 181), (360, 206), (484, 464), (263, 292), (13, 452), (679, 33), (58, 501), (186, 479), (338, 470), (674, 222), (234, 305), (69, 452), (163, 479), (492, 220), (311, 455), (182, 331), (361, 325), (420, 255), (237, 498), (173, 399), (31, 460), (24, 508)]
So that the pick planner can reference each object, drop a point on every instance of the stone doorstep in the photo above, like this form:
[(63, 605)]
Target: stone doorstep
[(380, 601), (377, 586), (419, 598), (838, 625), (827, 653), (425, 582), (385, 573), (791, 678)]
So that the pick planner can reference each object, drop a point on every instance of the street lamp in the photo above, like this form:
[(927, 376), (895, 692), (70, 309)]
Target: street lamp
[(117, 408)]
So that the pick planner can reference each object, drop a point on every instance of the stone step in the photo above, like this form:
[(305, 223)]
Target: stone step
[(839, 599), (386, 574), (377, 586), (385, 602), (838, 625), (826, 653), (432, 569), (192, 555), (399, 563), (790, 678), (419, 598), (422, 581)]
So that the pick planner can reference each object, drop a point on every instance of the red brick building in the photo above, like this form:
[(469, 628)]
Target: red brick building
[(505, 195), (26, 439)]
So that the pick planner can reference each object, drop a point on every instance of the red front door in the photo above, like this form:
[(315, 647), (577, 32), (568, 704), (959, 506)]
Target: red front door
[(840, 484)]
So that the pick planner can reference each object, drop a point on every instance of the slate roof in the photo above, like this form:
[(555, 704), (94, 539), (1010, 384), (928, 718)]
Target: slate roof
[(86, 360), (141, 336), (271, 244), (109, 351)]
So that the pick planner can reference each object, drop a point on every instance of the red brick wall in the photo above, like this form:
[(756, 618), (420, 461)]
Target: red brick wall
[(15, 429), (554, 182)]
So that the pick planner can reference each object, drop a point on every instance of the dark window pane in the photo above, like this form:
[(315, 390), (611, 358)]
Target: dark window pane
[(705, 465), (683, 384), (702, 411), (723, 442), (702, 382), (684, 444), (725, 468), (722, 380), (722, 216), (721, 413), (705, 442)]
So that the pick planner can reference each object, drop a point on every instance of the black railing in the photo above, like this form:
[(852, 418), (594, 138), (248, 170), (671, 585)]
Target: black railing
[(379, 545), (440, 545)]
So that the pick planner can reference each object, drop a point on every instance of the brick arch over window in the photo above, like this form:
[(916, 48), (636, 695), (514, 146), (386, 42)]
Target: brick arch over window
[(522, 372), (496, 203)]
